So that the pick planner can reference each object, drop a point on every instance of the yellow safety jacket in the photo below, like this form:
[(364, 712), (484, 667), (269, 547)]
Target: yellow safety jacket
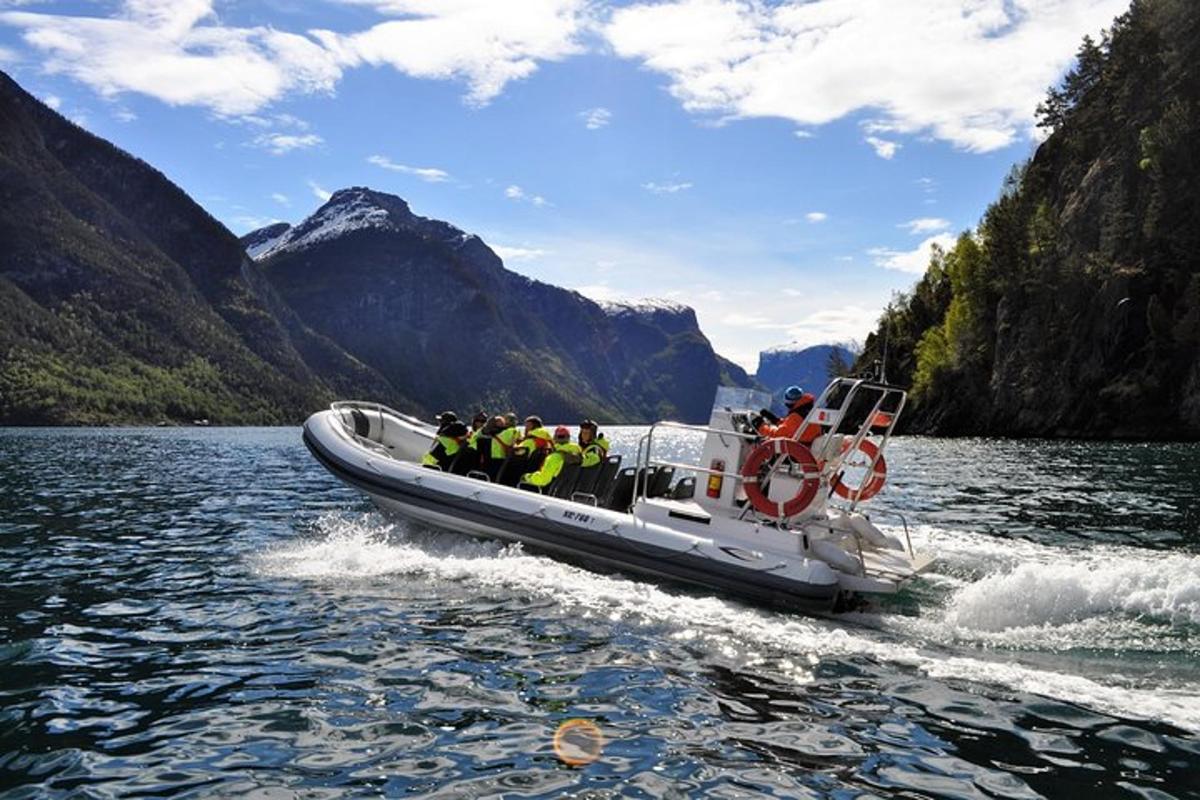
[(553, 464), (595, 452), (503, 443), (444, 448)]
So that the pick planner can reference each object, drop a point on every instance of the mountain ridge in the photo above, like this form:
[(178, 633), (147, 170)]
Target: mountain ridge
[(410, 289)]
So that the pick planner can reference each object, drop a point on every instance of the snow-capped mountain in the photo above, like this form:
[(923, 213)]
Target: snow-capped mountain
[(433, 308)]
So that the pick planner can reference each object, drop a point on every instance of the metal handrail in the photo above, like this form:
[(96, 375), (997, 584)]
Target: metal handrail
[(832, 463)]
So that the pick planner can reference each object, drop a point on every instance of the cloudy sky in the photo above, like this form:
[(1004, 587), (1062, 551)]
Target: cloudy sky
[(781, 166)]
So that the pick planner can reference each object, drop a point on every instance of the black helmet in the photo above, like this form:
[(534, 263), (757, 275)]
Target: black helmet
[(589, 425), (481, 417), (454, 430), (446, 417), (533, 421)]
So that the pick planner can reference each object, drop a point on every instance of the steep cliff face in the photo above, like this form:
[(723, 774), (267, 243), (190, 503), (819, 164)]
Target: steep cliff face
[(1074, 309), (806, 367), (434, 310), (126, 302)]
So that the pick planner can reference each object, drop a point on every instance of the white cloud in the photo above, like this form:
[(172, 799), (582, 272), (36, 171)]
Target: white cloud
[(518, 253), (170, 50), (915, 261), (847, 323), (281, 143), (516, 193), (927, 185), (595, 118), (485, 43), (8, 55), (281, 198), (667, 188), (803, 134), (816, 216), (124, 115), (923, 225), (427, 174), (884, 148), (969, 72), (319, 192), (53, 100), (179, 52)]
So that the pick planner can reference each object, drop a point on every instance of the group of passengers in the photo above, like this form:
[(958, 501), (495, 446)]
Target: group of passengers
[(491, 440)]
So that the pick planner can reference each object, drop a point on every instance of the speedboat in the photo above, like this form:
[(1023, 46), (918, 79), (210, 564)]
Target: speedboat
[(774, 521)]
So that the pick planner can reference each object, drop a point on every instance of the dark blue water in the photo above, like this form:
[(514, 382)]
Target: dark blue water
[(207, 613)]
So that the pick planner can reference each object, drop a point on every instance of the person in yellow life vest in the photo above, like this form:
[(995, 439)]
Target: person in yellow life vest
[(478, 422), (451, 437), (593, 444), (565, 451)]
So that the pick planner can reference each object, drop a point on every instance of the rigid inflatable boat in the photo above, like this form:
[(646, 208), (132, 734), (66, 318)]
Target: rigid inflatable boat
[(774, 521)]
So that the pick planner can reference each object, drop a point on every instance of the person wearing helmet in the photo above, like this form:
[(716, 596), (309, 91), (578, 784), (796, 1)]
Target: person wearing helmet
[(478, 422), (450, 439), (564, 452), (799, 403), (593, 444), (445, 418)]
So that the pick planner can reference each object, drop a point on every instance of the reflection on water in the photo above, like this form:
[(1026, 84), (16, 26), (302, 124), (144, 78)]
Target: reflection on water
[(208, 612)]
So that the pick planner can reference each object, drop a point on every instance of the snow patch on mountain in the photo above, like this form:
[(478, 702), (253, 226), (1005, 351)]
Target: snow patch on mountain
[(643, 306)]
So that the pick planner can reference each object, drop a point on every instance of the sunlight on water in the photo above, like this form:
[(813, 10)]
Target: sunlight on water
[(1035, 604)]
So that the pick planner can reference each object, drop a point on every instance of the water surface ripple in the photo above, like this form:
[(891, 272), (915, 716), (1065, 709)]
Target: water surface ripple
[(206, 612)]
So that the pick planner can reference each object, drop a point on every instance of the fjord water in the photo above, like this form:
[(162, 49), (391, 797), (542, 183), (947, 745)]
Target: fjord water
[(206, 612)]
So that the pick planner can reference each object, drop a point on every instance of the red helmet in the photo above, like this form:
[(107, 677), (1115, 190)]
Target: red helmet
[(561, 434)]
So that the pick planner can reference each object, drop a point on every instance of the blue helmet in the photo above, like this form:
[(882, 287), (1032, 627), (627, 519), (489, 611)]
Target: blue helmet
[(792, 394)]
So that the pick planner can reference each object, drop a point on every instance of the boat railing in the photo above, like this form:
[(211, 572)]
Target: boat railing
[(889, 400), (641, 480)]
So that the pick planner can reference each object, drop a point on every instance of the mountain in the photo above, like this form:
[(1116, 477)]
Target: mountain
[(1074, 308), (806, 367), (124, 301), (433, 308)]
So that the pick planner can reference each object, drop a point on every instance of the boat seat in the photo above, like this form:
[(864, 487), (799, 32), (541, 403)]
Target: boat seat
[(516, 465), (660, 483), (465, 460), (564, 484), (593, 482), (645, 478), (620, 495), (685, 489)]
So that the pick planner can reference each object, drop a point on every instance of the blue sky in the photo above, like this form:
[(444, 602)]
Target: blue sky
[(782, 167)]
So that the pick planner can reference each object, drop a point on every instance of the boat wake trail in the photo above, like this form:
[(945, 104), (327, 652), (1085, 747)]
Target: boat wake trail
[(996, 612)]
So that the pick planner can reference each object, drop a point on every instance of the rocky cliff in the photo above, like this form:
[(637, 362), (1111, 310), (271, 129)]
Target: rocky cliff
[(1074, 308), (433, 309), (124, 301), (810, 368)]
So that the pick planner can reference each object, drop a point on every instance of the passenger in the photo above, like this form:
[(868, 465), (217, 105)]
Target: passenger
[(450, 439), (565, 452), (445, 418), (477, 423), (799, 403), (532, 423), (506, 435), (593, 444), (536, 443)]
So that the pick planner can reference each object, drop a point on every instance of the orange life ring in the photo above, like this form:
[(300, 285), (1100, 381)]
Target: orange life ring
[(878, 475), (808, 487)]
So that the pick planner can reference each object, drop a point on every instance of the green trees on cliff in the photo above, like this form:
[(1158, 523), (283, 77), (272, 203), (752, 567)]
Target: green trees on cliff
[(1074, 307)]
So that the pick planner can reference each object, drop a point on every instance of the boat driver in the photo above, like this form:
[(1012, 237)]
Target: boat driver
[(799, 403)]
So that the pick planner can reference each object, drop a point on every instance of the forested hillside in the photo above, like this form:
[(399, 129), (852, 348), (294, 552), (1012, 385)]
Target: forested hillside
[(1074, 308)]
